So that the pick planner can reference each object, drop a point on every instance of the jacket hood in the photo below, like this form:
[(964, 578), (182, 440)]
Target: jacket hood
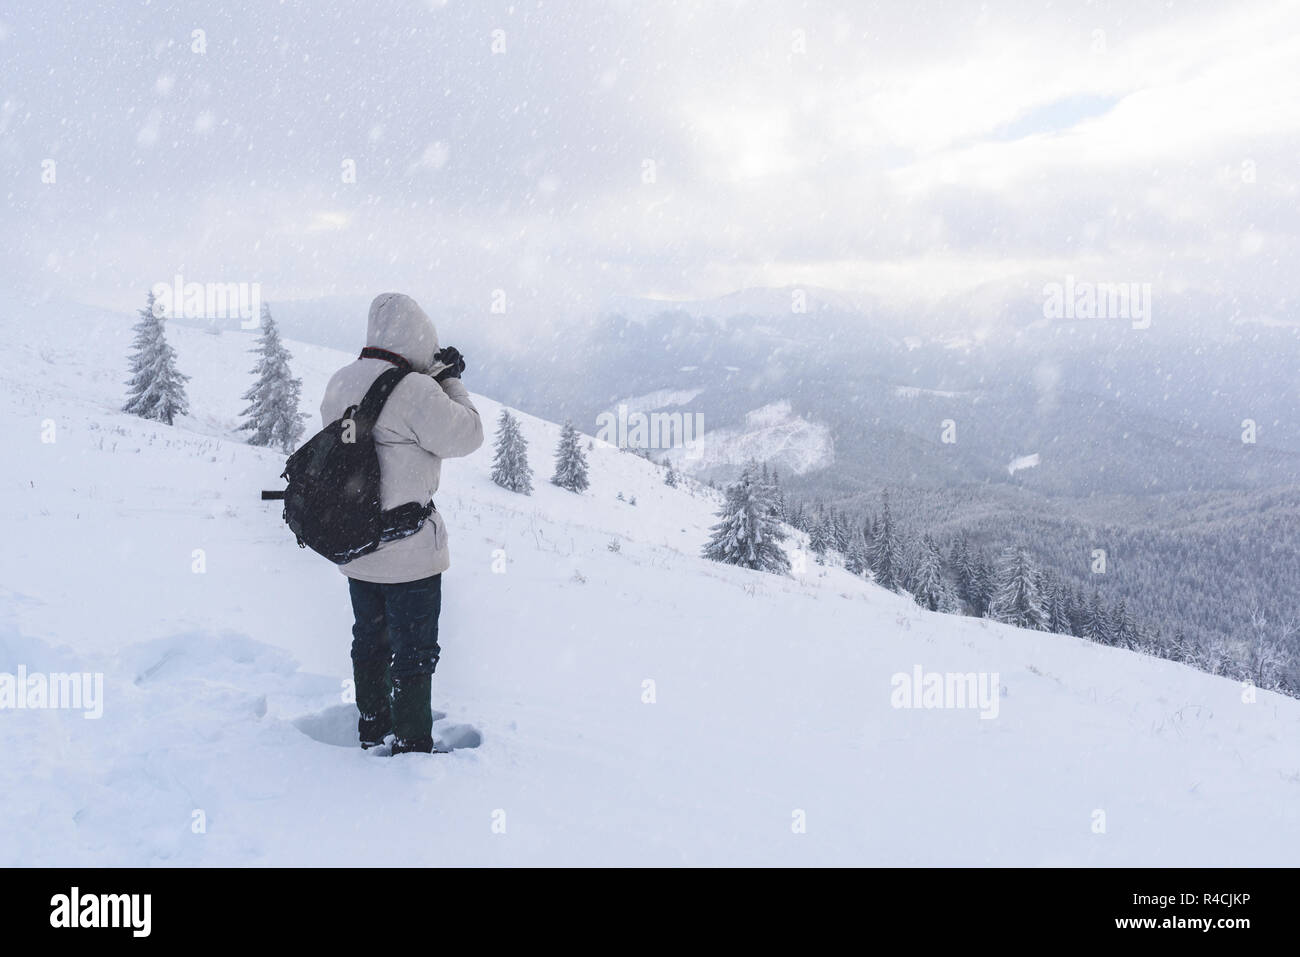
[(398, 324)]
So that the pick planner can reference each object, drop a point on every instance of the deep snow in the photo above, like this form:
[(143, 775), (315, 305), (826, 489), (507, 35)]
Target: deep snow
[(223, 690)]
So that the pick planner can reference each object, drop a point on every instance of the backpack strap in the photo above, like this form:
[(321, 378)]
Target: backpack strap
[(374, 352), (367, 413), (404, 521)]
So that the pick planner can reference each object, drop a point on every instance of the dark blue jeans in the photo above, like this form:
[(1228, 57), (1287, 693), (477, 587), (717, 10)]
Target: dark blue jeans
[(394, 653)]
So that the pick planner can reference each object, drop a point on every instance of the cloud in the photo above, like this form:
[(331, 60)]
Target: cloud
[(910, 152)]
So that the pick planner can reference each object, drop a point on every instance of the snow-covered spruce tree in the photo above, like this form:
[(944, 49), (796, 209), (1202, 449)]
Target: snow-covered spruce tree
[(1017, 600), (841, 532), (670, 477), (855, 559), (570, 463), (778, 496), (821, 537), (1058, 607), (885, 553), (1077, 612), (1123, 627), (746, 533), (927, 584), (982, 586), (156, 390), (1096, 622), (1049, 596), (272, 414), (510, 463), (962, 568)]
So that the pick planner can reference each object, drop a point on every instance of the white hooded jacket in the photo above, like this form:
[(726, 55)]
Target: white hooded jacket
[(423, 422)]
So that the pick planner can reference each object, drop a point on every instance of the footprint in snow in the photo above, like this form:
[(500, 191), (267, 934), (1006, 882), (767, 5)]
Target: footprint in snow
[(337, 726), (452, 737)]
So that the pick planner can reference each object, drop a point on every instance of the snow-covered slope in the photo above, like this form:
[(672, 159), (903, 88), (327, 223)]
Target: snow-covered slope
[(143, 553)]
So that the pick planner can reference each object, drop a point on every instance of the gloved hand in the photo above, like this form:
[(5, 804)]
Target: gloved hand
[(455, 363)]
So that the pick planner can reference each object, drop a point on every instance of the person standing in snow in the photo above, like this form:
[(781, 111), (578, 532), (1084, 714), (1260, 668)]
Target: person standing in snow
[(396, 590)]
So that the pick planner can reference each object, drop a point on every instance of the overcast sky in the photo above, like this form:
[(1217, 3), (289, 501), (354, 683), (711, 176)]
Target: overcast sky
[(903, 150)]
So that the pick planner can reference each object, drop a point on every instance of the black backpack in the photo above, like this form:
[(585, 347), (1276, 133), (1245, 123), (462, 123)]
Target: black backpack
[(332, 503)]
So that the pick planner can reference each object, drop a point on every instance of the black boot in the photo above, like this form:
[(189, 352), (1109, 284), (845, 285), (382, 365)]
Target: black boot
[(416, 745), (373, 729), (411, 709)]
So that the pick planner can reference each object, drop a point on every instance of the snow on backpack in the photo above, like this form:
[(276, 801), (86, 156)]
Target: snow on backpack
[(332, 503)]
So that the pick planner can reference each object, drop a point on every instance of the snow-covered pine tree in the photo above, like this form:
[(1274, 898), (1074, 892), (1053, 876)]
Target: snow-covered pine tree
[(746, 533), (927, 583), (1180, 649), (272, 414), (855, 559), (570, 463), (909, 550), (1078, 612), (1096, 622), (510, 467), (1018, 601), (1043, 582), (840, 532), (1060, 610), (670, 477), (1053, 599), (1123, 627), (981, 586), (821, 538), (156, 389), (1065, 598), (886, 553), (962, 569), (949, 603)]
